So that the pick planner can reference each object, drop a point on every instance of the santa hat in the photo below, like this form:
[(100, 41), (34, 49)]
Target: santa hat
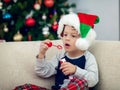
[(84, 24)]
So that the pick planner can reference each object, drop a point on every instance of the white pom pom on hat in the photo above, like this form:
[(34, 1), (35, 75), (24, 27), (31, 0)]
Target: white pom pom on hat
[(85, 43), (84, 24)]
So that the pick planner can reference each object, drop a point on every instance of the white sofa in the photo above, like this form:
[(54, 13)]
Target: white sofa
[(17, 60)]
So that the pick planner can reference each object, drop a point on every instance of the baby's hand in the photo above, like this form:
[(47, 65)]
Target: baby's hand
[(68, 68), (43, 48)]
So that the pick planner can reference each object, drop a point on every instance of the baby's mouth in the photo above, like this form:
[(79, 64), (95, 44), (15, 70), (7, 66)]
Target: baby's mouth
[(67, 45)]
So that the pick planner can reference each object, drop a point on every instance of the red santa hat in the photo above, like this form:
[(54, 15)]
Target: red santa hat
[(84, 24)]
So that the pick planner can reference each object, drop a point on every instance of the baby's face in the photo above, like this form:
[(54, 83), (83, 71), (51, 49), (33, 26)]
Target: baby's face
[(69, 37)]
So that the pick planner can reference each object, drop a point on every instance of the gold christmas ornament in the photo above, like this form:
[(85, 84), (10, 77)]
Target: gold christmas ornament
[(5, 28), (17, 36)]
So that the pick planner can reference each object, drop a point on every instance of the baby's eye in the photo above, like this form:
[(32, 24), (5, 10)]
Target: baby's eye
[(64, 34), (74, 36)]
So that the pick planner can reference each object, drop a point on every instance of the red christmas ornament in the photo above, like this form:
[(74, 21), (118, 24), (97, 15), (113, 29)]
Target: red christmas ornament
[(30, 22), (7, 1), (55, 26), (49, 3)]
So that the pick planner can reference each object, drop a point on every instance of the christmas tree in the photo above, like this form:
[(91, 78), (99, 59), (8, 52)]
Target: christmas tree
[(31, 20)]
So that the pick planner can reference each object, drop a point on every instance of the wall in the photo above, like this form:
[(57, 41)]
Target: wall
[(108, 11)]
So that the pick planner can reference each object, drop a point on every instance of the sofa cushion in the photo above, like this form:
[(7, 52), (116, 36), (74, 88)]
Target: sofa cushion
[(17, 61), (107, 54)]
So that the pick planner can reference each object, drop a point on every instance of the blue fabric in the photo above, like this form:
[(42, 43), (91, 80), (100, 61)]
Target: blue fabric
[(59, 77)]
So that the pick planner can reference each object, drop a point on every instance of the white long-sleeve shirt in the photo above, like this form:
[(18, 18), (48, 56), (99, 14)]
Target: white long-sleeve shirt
[(46, 68)]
